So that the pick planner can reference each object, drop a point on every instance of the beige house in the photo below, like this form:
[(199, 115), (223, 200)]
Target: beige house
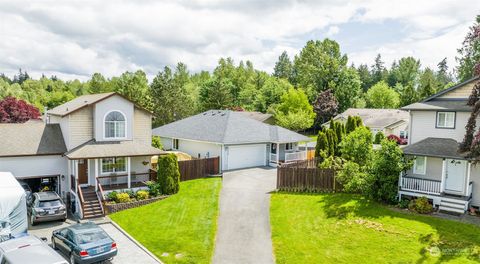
[(440, 172), (87, 146), (387, 121)]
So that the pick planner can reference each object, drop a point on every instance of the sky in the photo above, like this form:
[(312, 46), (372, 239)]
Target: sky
[(74, 39)]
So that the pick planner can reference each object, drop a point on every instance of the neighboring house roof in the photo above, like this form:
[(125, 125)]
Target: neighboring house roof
[(259, 116), (84, 101), (31, 138), (378, 118), (444, 105), (93, 149), (434, 147), (451, 88), (227, 127)]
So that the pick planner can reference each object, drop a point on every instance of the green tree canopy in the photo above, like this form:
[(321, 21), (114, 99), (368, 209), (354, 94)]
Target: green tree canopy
[(382, 96), (294, 105)]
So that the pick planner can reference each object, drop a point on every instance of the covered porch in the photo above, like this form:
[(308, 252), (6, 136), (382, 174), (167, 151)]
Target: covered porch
[(439, 173), (287, 152)]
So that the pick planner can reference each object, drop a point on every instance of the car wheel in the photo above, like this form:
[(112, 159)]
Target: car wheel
[(54, 246), (72, 259)]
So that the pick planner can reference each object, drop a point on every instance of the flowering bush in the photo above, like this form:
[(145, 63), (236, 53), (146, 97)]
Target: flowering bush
[(142, 195), (123, 198)]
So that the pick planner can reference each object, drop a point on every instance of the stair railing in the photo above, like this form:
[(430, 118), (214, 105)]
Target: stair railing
[(80, 195), (99, 193)]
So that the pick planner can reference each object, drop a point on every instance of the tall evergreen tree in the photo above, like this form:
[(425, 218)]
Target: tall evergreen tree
[(428, 84), (283, 67)]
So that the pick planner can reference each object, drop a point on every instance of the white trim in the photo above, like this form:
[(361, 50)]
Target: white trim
[(444, 175), (424, 171), (446, 113), (108, 173), (96, 174), (129, 173), (126, 125), (469, 172)]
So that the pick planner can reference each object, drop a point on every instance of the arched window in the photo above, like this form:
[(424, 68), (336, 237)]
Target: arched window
[(115, 125)]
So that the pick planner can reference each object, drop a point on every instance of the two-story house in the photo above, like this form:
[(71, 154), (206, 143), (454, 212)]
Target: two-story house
[(440, 172), (86, 146)]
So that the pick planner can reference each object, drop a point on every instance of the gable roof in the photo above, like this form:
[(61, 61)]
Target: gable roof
[(227, 127), (376, 117), (31, 138), (84, 101), (451, 89)]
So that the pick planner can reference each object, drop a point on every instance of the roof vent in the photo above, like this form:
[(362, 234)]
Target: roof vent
[(66, 110)]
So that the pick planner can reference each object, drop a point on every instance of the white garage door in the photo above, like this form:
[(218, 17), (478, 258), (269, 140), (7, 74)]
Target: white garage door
[(245, 156)]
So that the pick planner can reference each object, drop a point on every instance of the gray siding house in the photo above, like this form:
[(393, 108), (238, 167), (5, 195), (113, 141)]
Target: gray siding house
[(440, 172), (94, 143)]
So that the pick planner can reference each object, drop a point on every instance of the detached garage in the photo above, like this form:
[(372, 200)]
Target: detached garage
[(239, 140), (32, 152)]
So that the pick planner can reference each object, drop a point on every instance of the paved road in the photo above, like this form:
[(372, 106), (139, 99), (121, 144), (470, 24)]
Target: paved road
[(243, 234), (128, 251)]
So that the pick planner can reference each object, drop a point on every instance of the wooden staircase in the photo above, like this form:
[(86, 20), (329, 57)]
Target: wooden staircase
[(91, 207)]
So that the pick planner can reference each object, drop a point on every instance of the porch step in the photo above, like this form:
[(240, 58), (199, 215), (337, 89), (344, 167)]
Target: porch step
[(451, 209), (91, 206), (454, 206)]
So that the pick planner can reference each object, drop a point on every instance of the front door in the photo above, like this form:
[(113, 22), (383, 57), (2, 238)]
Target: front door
[(455, 176), (82, 171)]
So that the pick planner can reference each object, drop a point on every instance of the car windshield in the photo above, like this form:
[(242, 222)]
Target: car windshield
[(52, 203), (88, 237)]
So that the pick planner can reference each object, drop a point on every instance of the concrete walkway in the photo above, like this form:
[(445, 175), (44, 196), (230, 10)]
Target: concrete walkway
[(243, 234)]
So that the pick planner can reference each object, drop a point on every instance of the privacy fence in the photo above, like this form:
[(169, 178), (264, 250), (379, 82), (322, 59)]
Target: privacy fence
[(198, 168), (305, 176)]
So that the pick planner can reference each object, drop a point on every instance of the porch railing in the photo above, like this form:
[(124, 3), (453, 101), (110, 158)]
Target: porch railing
[(80, 195), (99, 193), (120, 181), (420, 185), (273, 157), (298, 155)]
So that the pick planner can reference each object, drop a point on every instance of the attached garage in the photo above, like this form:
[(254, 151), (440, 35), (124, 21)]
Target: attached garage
[(244, 156)]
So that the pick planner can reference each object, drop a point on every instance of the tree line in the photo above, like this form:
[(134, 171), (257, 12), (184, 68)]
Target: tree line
[(301, 93)]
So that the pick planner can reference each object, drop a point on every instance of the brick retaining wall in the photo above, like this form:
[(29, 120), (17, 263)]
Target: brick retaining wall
[(113, 208)]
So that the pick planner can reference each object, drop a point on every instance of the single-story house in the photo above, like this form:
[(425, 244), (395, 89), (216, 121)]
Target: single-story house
[(239, 141), (388, 121)]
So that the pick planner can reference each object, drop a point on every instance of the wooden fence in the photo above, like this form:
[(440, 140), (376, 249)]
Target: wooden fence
[(305, 176), (198, 168)]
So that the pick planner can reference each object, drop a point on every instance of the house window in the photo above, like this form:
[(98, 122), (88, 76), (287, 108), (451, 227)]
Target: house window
[(289, 146), (175, 143), (403, 134), (115, 125), (114, 165), (446, 119), (420, 165)]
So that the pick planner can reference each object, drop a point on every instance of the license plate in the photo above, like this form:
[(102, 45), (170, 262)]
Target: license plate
[(99, 250), (51, 212)]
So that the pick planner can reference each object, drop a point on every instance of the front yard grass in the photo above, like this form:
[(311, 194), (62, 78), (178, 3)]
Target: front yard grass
[(344, 228), (182, 226)]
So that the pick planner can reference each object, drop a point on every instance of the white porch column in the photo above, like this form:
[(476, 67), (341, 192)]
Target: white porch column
[(469, 172), (96, 174), (129, 178), (444, 175), (278, 152)]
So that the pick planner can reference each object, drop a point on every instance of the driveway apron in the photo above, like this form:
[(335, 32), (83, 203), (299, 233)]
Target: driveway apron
[(243, 234)]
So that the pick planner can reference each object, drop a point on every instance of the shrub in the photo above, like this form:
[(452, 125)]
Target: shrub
[(357, 146), (123, 198), (354, 178), (378, 138), (130, 193), (420, 205), (112, 196), (168, 174), (142, 195), (153, 188), (403, 203)]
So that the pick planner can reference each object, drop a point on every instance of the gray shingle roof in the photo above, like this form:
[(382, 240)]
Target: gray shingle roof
[(227, 127), (31, 138), (256, 115), (439, 105), (376, 117), (93, 149), (78, 103), (434, 147)]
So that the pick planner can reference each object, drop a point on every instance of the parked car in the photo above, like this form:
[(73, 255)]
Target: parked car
[(400, 141), (84, 243), (28, 190), (46, 206), (28, 250)]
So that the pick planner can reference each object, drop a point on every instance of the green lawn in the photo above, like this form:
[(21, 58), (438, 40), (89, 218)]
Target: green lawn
[(183, 224), (343, 228)]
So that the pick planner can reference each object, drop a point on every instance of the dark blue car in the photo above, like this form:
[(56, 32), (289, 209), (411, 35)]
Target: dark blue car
[(84, 243)]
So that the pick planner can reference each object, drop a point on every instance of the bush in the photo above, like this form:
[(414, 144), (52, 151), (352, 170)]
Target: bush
[(142, 195), (168, 174), (354, 178), (112, 196), (123, 198), (130, 193), (420, 205), (378, 138), (403, 203), (153, 188)]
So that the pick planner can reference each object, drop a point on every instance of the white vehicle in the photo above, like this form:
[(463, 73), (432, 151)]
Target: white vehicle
[(13, 208), (28, 250)]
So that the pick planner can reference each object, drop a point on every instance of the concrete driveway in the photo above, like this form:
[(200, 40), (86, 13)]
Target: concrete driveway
[(243, 234), (128, 250)]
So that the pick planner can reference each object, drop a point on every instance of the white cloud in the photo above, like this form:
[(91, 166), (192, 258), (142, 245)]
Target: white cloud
[(77, 38)]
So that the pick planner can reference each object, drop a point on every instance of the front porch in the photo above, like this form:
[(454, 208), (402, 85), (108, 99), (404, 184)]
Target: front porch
[(286, 152)]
